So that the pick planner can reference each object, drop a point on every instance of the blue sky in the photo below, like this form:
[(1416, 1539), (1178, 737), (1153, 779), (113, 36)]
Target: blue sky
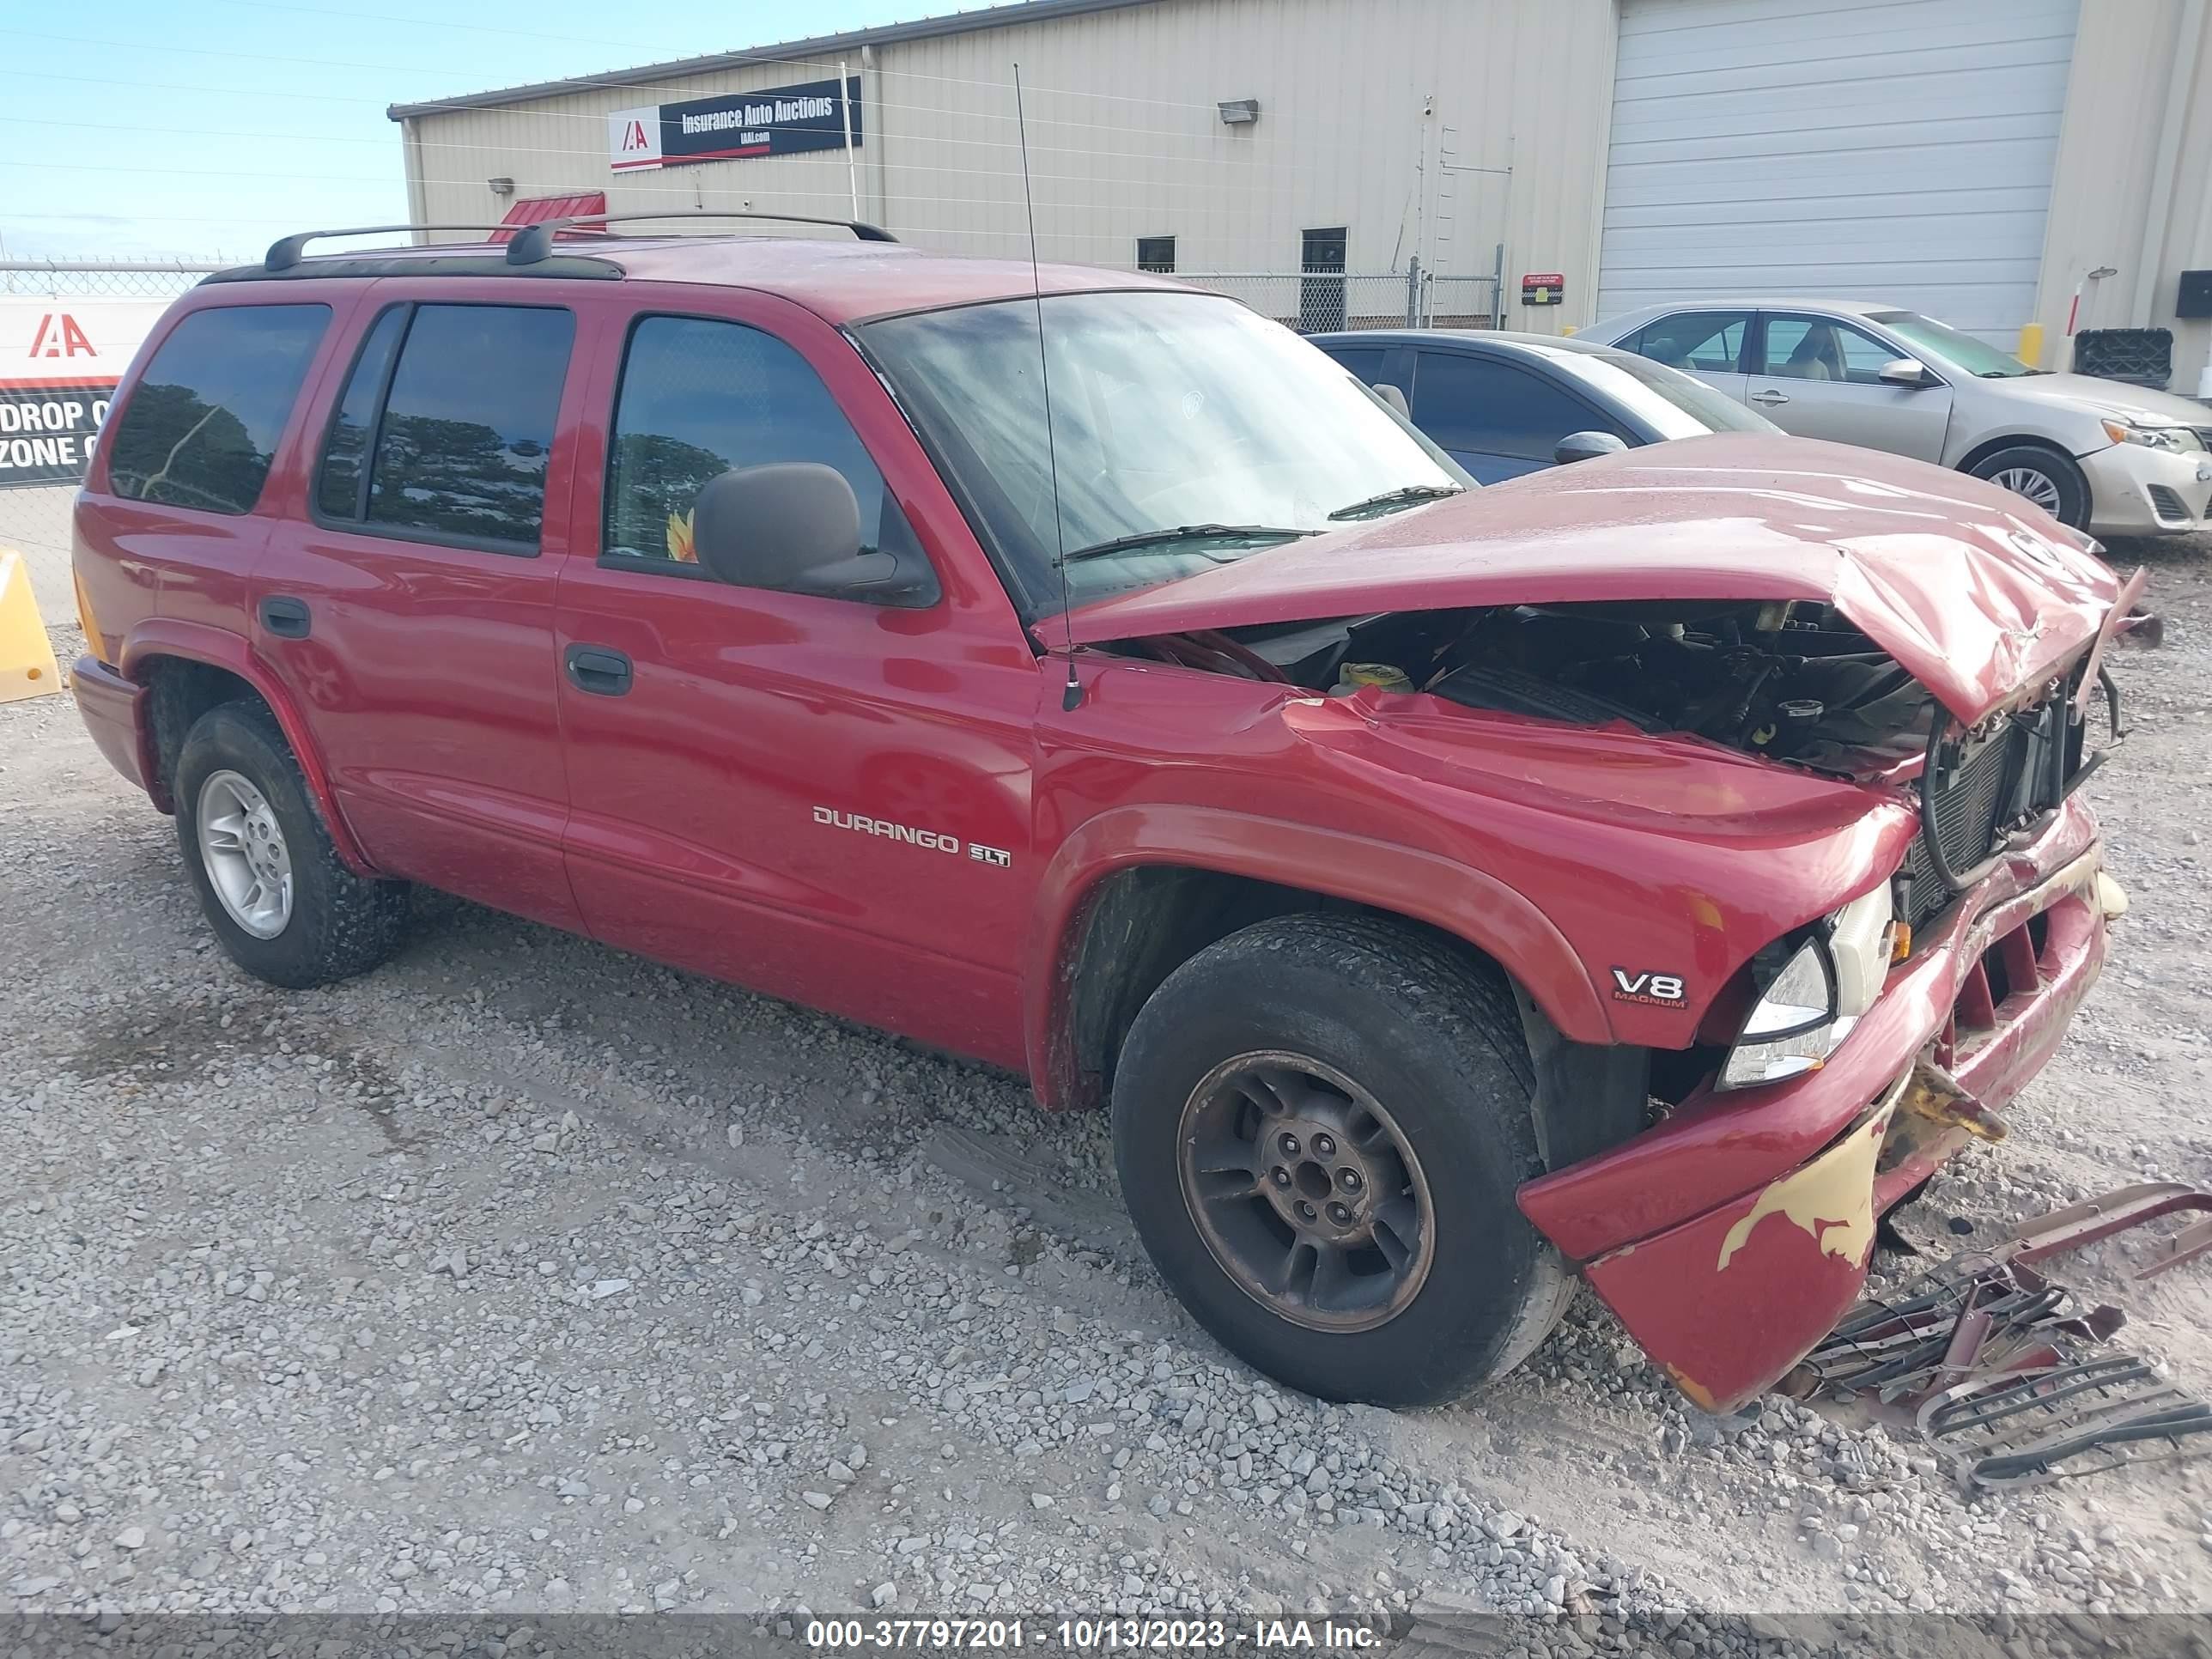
[(208, 128)]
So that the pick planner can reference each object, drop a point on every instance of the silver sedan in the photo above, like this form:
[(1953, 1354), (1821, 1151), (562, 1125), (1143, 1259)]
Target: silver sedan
[(2100, 455)]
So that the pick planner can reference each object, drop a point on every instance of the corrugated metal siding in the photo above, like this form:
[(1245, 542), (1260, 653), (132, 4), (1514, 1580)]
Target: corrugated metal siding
[(1126, 140), (1901, 152)]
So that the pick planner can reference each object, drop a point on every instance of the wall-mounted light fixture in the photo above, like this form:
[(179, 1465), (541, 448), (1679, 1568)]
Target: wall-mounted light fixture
[(1239, 112), (502, 186)]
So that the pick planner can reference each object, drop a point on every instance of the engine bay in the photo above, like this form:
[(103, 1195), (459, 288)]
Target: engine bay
[(1791, 680)]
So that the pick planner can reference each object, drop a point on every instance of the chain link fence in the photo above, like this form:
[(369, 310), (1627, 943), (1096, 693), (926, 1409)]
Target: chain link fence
[(34, 520), (103, 279)]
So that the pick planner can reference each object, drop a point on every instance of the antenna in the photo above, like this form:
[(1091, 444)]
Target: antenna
[(1071, 696)]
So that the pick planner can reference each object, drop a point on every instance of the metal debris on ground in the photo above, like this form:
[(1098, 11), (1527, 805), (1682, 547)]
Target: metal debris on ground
[(2123, 1208), (1991, 1362)]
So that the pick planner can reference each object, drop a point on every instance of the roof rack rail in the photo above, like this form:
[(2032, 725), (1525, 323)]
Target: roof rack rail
[(534, 242), (285, 252)]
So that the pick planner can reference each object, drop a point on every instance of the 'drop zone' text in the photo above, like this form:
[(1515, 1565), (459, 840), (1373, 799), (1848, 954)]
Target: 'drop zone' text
[(48, 432)]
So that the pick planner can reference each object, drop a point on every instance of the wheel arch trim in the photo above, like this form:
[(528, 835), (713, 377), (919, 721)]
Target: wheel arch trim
[(160, 637), (1420, 886)]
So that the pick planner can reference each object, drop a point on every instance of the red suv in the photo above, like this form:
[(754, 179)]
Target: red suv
[(1648, 871)]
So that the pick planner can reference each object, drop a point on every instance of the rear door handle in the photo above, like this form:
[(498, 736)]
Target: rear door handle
[(286, 616), (1770, 397), (596, 669)]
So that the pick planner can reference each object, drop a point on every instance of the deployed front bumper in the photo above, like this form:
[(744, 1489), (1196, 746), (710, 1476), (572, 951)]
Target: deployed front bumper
[(1730, 1237), (2137, 490)]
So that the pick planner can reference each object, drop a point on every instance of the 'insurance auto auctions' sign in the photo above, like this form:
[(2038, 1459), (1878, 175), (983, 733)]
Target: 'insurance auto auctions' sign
[(772, 121), (59, 360)]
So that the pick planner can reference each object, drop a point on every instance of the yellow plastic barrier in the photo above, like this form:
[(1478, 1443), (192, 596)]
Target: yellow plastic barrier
[(2031, 345), (26, 661)]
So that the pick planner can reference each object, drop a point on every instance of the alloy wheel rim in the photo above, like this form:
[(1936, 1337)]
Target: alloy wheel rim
[(1305, 1191), (2038, 486), (243, 850)]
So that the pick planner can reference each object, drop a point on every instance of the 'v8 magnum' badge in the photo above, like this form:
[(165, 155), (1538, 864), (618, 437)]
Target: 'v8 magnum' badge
[(1655, 990)]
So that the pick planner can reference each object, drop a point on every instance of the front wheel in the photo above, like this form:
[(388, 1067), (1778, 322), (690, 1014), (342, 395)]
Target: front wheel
[(275, 890), (2045, 477), (1320, 1122)]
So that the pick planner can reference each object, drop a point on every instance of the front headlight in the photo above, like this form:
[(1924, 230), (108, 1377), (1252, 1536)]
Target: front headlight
[(1812, 986), (2174, 440)]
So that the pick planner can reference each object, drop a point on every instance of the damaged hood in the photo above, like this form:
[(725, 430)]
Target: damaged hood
[(1974, 591)]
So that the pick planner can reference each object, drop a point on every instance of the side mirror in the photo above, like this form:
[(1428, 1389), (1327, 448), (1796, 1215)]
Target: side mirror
[(794, 527), (1390, 395), (1909, 372), (1586, 447)]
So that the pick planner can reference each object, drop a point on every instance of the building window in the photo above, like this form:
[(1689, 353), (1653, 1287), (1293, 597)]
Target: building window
[(1156, 253), (1321, 291), (1322, 250)]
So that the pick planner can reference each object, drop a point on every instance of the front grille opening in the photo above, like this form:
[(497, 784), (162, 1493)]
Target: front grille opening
[(2038, 935)]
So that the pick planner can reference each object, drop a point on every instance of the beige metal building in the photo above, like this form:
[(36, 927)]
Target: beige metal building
[(1974, 158)]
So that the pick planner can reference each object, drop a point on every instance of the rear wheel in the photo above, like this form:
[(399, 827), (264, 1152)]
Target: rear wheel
[(2045, 477), (275, 890), (1320, 1122)]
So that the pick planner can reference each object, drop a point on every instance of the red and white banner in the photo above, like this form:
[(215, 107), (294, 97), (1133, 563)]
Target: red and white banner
[(59, 360)]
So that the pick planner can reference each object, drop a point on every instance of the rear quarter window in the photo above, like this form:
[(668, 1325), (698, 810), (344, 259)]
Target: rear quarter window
[(201, 427)]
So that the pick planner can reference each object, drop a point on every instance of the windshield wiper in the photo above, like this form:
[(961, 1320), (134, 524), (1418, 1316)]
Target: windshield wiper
[(1404, 496), (1184, 532)]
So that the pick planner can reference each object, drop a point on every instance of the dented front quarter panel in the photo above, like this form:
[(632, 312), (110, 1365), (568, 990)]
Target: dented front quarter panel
[(1564, 852)]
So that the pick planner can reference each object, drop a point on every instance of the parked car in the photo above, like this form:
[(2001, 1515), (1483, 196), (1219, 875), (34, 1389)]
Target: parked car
[(1451, 891), (2100, 455), (1505, 404)]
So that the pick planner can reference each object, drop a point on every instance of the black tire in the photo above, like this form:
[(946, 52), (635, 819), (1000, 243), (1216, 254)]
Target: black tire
[(2065, 480), (1436, 1040), (340, 924)]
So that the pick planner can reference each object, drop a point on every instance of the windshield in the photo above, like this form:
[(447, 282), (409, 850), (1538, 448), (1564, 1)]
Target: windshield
[(1673, 404), (1183, 426), (1946, 345)]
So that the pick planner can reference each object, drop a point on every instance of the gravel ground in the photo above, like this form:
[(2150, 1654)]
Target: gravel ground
[(522, 1275)]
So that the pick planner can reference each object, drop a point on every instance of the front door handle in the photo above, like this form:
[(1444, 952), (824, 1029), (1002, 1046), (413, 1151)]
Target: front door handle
[(594, 668), (286, 616), (1770, 397)]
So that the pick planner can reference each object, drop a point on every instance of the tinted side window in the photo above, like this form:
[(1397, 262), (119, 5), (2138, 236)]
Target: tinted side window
[(1492, 408), (1703, 342), (700, 398), (1364, 362), (461, 446), (203, 426), (345, 471)]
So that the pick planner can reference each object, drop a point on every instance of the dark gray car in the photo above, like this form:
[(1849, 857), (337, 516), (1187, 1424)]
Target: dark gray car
[(1502, 405)]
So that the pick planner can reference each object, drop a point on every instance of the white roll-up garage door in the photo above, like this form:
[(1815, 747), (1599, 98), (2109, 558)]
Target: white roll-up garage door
[(1899, 152)]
